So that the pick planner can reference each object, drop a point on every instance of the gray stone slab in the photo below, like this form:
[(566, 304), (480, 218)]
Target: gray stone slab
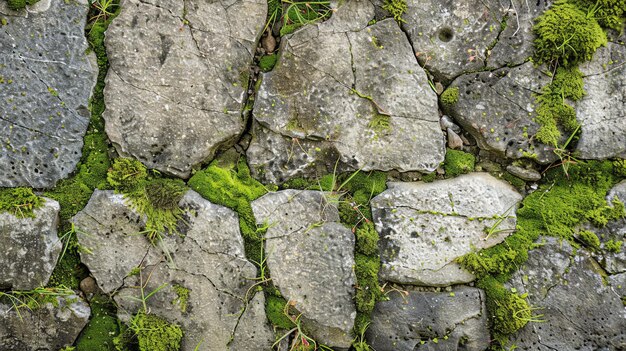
[(178, 78), (425, 227), (46, 80), (30, 247)]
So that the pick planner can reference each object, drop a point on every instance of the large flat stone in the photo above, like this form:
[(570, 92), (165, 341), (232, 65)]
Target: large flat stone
[(46, 80), (208, 261), (178, 78), (352, 94), (425, 227), (30, 247), (47, 327), (311, 257), (434, 321)]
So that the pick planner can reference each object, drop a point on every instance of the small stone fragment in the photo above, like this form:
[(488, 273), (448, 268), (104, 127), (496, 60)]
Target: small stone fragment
[(454, 140), (524, 173), (88, 286), (269, 43)]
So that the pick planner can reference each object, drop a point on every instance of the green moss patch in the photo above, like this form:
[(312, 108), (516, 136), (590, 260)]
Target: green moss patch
[(275, 307), (182, 297), (20, 202), (556, 209), (396, 8), (149, 194), (154, 333), (17, 5), (450, 96), (458, 162), (102, 329), (267, 62)]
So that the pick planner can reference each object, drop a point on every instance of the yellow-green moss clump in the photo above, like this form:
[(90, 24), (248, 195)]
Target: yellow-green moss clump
[(608, 13), (589, 239), (20, 202), (275, 307), (154, 333), (396, 8), (267, 62), (614, 246), (450, 96), (150, 195), (458, 162), (559, 206), (16, 5), (567, 34), (182, 299)]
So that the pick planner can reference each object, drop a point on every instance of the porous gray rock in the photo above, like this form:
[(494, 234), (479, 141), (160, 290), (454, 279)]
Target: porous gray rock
[(602, 111), (349, 87), (578, 309), (46, 80), (425, 227), (433, 321), (498, 108), (30, 247), (208, 262), (311, 257), (613, 261), (179, 78), (452, 37), (47, 327)]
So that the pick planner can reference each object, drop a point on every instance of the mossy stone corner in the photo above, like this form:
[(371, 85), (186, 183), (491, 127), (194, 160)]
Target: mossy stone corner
[(458, 162)]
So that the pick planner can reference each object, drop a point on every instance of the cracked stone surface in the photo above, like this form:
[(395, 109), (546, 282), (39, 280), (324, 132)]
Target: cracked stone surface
[(45, 328), (424, 227), (209, 261), (310, 256), (46, 80), (613, 262), (580, 311), (30, 247), (178, 78), (432, 321), (345, 91), (602, 111), (498, 109)]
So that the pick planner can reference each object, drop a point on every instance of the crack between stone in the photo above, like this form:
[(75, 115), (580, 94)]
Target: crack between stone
[(225, 292), (34, 130), (607, 71), (478, 218), (351, 62), (507, 98)]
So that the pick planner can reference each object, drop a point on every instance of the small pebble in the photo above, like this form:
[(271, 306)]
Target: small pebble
[(88, 286), (454, 140), (269, 43), (524, 173)]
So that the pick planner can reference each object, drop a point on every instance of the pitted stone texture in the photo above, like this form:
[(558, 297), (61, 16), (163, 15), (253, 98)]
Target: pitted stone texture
[(30, 248), (615, 230), (433, 321), (45, 84), (178, 78), (498, 109), (602, 111), (45, 328), (209, 261), (451, 37), (311, 259), (579, 310), (425, 227), (360, 92)]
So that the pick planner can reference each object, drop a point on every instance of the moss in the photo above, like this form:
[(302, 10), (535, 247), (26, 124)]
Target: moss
[(430, 177), (553, 111), (608, 13), (155, 333), (619, 167), (555, 209), (368, 290), (228, 183), (275, 311), (367, 239), (458, 162), (126, 174), (267, 62), (589, 238), (614, 246), (379, 123), (450, 96), (513, 180), (396, 8), (165, 194), (182, 299), (20, 202), (103, 327), (566, 34)]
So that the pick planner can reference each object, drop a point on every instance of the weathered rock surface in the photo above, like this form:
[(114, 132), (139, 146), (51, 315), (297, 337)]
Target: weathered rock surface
[(44, 328), (424, 227), (344, 91), (615, 230), (45, 84), (423, 320), (451, 37), (579, 310), (310, 256), (30, 248), (498, 109), (602, 111), (178, 78), (209, 262)]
